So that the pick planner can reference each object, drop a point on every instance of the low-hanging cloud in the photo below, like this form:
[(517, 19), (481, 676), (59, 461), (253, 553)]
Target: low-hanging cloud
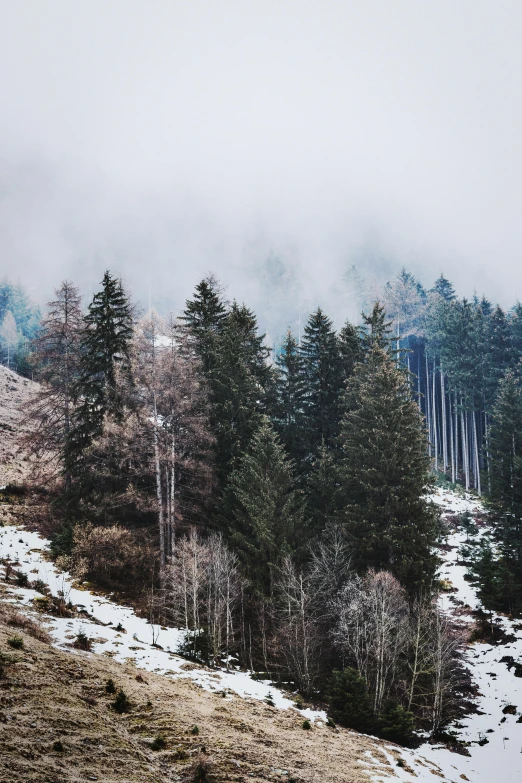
[(164, 139)]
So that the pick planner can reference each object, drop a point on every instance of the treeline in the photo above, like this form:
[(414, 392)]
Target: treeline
[(19, 323), (467, 359), (276, 510)]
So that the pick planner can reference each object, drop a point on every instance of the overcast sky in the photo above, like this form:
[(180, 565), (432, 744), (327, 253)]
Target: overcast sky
[(165, 138)]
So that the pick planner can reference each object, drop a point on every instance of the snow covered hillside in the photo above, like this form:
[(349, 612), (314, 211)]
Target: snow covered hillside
[(494, 733), (117, 632)]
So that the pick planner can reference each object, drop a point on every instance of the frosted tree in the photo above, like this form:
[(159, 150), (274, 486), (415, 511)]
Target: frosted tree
[(9, 336)]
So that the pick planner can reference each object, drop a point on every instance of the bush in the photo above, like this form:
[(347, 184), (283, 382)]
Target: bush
[(121, 702), (397, 724), (6, 661), (18, 620), (22, 580), (307, 725), (82, 641), (159, 743), (58, 746), (16, 642), (349, 702), (107, 555), (110, 687), (200, 770), (40, 586), (194, 730), (50, 604)]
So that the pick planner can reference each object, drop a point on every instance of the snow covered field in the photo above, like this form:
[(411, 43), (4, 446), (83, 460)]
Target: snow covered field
[(117, 631)]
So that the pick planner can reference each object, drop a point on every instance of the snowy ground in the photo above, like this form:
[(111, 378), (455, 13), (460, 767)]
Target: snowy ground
[(500, 758)]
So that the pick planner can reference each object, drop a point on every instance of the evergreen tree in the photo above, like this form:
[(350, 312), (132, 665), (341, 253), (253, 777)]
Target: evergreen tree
[(265, 510), (324, 381), (444, 288), (349, 349), (240, 385), (322, 488), (385, 473), (506, 473), (204, 316), (349, 702), (375, 330), (104, 364), (290, 393), (515, 328)]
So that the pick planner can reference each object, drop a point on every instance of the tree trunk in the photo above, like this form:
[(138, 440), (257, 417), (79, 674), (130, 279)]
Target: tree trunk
[(434, 416), (477, 464), (444, 428)]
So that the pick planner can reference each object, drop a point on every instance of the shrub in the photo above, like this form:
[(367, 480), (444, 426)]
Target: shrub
[(107, 555), (159, 743), (50, 604), (40, 586), (82, 641), (18, 620), (121, 702), (58, 747), (201, 769), (6, 660), (397, 724), (194, 730), (270, 699), (307, 725), (110, 687), (349, 702), (16, 642), (22, 580)]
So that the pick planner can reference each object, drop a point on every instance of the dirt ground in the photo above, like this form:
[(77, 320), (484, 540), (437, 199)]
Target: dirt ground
[(52, 696)]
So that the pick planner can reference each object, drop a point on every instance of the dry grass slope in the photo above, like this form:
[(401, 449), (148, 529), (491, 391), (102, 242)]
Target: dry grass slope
[(52, 696)]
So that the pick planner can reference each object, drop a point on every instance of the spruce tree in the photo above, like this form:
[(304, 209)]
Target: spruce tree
[(265, 511), (375, 330), (104, 372), (240, 387), (324, 381), (444, 288), (506, 473), (290, 398), (322, 489), (349, 349), (384, 473), (204, 316)]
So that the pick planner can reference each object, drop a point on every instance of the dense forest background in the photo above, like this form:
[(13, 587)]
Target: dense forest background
[(272, 496)]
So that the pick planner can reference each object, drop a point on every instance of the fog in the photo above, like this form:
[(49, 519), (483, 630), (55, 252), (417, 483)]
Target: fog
[(165, 138)]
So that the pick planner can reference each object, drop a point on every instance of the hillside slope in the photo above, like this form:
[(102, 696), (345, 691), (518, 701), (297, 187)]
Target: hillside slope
[(51, 695), (15, 393)]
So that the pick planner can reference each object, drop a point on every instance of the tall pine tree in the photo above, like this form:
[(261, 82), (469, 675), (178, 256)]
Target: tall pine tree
[(204, 316), (290, 398), (105, 376), (323, 371), (385, 472), (265, 510), (506, 475)]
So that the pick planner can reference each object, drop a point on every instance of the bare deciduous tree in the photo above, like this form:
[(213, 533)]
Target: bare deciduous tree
[(372, 627), (56, 354), (203, 592)]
